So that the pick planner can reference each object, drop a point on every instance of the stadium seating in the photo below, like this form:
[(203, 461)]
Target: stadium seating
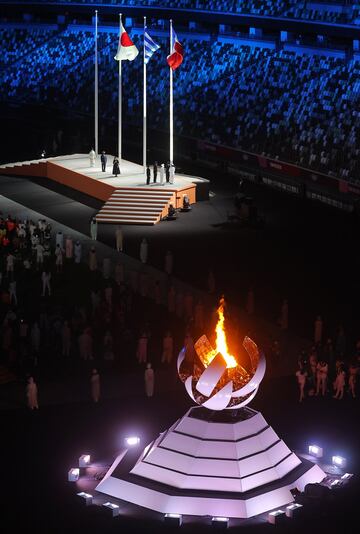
[(296, 107), (330, 11)]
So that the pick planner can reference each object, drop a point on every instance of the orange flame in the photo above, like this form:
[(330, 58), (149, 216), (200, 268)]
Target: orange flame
[(221, 344)]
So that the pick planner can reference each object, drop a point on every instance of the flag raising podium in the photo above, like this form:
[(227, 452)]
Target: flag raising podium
[(174, 60), (126, 51)]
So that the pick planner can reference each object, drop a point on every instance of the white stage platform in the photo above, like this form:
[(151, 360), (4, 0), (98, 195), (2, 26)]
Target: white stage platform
[(128, 199)]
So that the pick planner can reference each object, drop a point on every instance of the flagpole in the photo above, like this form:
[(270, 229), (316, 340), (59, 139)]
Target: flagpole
[(171, 103), (144, 107), (96, 87), (120, 99)]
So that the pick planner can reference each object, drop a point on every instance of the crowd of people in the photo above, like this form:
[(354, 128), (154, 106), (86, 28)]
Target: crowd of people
[(64, 310), (329, 367), (287, 105)]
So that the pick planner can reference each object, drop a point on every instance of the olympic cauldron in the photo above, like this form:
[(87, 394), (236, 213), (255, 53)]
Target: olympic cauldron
[(216, 380)]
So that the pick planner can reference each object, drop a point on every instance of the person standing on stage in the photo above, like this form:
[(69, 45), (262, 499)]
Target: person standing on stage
[(162, 174), (32, 394), (155, 171), (148, 175), (172, 173), (103, 159), (92, 157), (116, 166), (167, 171)]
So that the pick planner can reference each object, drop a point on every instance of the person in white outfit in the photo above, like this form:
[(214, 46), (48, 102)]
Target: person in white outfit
[(59, 258), (301, 376), (39, 254), (321, 377), (59, 240), (149, 380), (92, 157), (162, 174), (93, 229), (143, 251), (339, 384), (32, 394), (172, 173)]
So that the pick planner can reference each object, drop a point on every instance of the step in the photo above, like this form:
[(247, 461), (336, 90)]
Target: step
[(129, 210), (150, 189), (121, 220), (142, 196), (127, 216), (148, 205)]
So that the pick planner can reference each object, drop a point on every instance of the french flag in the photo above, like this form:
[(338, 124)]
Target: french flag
[(176, 57)]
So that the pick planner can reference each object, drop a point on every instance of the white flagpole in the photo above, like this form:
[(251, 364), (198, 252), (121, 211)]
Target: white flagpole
[(144, 107), (171, 104), (96, 87), (120, 99)]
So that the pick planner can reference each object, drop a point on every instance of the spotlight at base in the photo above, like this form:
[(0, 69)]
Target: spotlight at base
[(86, 497), (277, 516), (73, 474), (84, 460), (339, 461), (220, 522), (173, 519), (316, 451), (293, 510), (111, 508), (131, 441)]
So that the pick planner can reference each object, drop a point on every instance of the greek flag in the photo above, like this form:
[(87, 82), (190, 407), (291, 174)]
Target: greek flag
[(149, 46)]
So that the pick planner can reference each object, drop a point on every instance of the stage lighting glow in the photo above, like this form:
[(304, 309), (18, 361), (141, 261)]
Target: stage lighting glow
[(276, 516), (113, 509), (86, 497), (73, 474), (220, 522), (84, 460), (173, 519), (316, 451), (132, 441), (339, 461)]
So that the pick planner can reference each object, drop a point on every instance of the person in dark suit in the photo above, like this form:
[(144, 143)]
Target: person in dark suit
[(155, 171), (116, 166), (148, 175), (103, 159), (167, 171)]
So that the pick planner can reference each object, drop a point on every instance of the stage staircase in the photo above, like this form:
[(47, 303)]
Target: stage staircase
[(136, 206)]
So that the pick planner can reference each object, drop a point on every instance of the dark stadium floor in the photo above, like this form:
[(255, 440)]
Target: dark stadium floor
[(305, 252)]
